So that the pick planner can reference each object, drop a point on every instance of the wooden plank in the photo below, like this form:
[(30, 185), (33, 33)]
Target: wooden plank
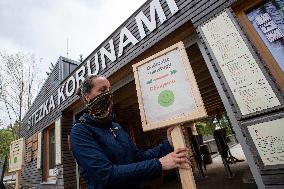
[(186, 175), (276, 179), (18, 175)]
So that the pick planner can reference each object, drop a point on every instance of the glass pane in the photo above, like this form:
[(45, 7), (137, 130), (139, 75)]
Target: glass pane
[(52, 148), (268, 20)]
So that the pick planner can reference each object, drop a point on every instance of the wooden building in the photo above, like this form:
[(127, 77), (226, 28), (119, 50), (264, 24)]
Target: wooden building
[(156, 25)]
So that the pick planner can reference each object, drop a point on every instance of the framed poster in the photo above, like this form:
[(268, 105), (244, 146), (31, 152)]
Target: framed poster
[(268, 21), (16, 155), (266, 138), (167, 90), (250, 87)]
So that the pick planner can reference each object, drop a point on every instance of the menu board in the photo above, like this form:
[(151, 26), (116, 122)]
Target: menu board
[(167, 89), (16, 155), (268, 138), (243, 75)]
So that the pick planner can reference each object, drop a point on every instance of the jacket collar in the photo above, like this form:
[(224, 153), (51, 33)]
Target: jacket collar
[(91, 120)]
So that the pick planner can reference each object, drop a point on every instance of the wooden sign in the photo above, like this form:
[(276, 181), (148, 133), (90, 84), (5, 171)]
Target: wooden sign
[(268, 138), (16, 155), (167, 90), (251, 89)]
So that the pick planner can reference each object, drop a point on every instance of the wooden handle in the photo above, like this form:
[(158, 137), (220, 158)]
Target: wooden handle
[(18, 175), (186, 176)]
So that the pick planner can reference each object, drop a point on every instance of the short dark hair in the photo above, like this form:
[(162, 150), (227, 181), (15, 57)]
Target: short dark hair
[(86, 86)]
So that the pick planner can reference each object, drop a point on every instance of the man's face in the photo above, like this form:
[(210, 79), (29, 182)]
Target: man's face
[(101, 85)]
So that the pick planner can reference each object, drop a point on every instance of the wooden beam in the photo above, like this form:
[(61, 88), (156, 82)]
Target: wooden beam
[(186, 175), (18, 175)]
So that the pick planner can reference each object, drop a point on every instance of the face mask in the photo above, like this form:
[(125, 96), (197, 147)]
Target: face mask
[(101, 106)]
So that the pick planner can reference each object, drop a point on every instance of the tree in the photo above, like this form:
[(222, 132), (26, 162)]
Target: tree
[(19, 81), (50, 69), (6, 137)]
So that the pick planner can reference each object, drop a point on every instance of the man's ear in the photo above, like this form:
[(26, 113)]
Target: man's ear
[(87, 97)]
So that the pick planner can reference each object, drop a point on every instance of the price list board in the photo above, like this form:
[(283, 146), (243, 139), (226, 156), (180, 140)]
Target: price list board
[(251, 90)]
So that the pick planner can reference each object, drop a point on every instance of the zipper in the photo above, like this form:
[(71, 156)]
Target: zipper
[(112, 130)]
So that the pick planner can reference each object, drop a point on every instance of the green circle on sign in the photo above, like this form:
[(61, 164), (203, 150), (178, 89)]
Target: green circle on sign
[(166, 98), (15, 159)]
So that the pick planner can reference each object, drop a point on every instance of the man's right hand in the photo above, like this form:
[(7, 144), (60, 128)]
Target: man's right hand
[(177, 159)]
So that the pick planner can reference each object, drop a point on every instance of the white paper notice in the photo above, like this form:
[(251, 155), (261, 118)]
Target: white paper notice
[(249, 86), (268, 138), (16, 155), (165, 88)]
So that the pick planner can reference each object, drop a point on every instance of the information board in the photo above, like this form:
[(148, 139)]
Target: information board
[(250, 88), (16, 155), (167, 90), (268, 138)]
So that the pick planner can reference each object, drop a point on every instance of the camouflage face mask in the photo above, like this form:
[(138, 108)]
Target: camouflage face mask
[(101, 106)]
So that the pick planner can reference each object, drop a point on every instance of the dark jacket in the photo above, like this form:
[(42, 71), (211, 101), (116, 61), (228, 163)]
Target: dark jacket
[(108, 158)]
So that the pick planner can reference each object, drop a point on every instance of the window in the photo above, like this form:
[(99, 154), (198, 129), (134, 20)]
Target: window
[(49, 154), (68, 67), (263, 22), (52, 148), (268, 21)]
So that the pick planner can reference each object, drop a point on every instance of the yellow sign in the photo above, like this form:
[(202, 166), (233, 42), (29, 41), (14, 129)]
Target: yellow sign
[(16, 155)]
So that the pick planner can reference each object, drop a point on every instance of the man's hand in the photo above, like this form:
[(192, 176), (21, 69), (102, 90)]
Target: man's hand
[(177, 159)]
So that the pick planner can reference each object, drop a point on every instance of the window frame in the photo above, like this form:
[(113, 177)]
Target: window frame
[(240, 11), (46, 157)]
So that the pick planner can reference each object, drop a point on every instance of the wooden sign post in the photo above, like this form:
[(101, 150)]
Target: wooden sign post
[(186, 176), (18, 175), (168, 95), (16, 159)]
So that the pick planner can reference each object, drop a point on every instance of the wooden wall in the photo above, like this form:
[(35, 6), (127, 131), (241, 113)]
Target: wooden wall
[(69, 165)]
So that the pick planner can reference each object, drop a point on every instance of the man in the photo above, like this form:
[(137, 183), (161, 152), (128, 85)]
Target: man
[(105, 153)]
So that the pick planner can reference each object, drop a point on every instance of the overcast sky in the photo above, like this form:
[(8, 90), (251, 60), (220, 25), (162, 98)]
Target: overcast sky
[(42, 27)]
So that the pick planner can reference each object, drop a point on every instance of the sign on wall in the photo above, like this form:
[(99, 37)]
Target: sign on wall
[(16, 155), (268, 21), (268, 138), (167, 90), (250, 88)]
